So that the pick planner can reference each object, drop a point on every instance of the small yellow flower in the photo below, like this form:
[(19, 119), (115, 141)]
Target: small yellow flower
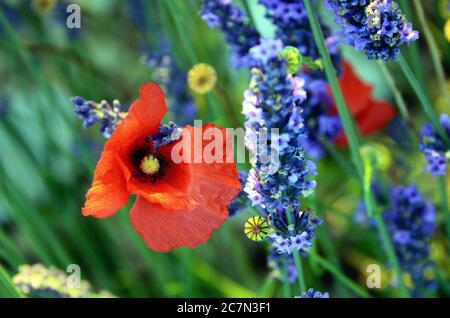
[(44, 6), (150, 165), (256, 228), (202, 78), (447, 30)]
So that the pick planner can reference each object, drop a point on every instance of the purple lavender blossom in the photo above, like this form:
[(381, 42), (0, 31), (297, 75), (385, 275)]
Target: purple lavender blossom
[(241, 202), (410, 220), (271, 103), (109, 116), (312, 294), (378, 27), (240, 34), (320, 124), (281, 173), (293, 29), (282, 266), (296, 235), (436, 151)]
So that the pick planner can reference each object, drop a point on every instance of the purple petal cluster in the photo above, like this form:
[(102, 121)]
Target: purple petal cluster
[(282, 266), (167, 133), (312, 294), (240, 34), (107, 115), (376, 27), (436, 151), (411, 223), (241, 202), (293, 28), (296, 235), (280, 172), (320, 124), (410, 220)]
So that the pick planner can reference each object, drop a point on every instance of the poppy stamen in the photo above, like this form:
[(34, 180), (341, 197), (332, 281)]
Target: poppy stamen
[(149, 165)]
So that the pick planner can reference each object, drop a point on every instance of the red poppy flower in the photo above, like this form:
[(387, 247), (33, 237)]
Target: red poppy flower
[(177, 204), (370, 115)]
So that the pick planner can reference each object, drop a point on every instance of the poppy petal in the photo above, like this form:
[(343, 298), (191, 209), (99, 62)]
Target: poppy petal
[(143, 119), (357, 94), (187, 183), (370, 115), (212, 186), (219, 180), (108, 192), (163, 230), (376, 117)]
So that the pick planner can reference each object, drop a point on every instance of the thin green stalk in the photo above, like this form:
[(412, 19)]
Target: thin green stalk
[(41, 236), (215, 279), (266, 288), (186, 271), (346, 119), (325, 239), (340, 276), (248, 11), (344, 114), (297, 260), (434, 50), (9, 250), (300, 275), (397, 95), (286, 285), (217, 110), (339, 158), (413, 51), (45, 87), (445, 207), (382, 229), (174, 13), (426, 104), (7, 287)]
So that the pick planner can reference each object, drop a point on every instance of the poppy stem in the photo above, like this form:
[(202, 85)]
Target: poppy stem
[(421, 94), (434, 50)]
